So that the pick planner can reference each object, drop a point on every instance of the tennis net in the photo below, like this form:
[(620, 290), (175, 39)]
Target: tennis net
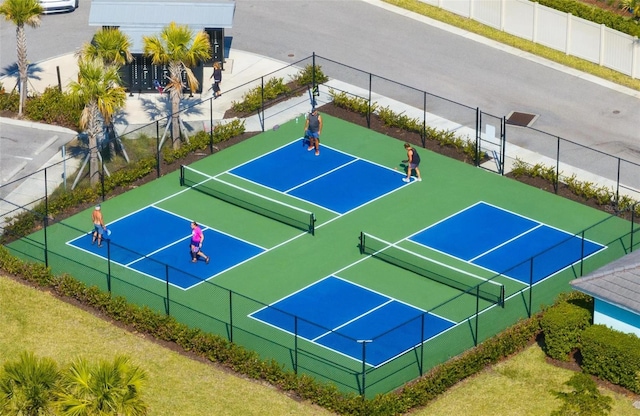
[(246, 199), (432, 269)]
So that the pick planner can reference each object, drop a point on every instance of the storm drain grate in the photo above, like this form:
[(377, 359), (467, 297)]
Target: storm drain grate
[(521, 119)]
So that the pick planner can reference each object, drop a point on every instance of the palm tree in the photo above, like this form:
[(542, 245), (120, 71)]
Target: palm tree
[(110, 45), (27, 386), (179, 49), (22, 12), (108, 388), (98, 90), (114, 49)]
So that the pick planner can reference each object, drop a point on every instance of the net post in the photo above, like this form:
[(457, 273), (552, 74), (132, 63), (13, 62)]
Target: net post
[(312, 223), (181, 175), (361, 242)]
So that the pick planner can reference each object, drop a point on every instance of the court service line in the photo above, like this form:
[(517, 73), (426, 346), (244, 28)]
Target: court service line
[(354, 319), (278, 191), (264, 154), (495, 273), (206, 227), (324, 174), (144, 256), (540, 225), (446, 218)]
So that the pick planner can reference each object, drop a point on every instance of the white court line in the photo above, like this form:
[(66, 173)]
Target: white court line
[(511, 240)]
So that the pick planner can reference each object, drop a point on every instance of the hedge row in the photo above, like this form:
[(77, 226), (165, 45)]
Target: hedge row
[(606, 353), (246, 362), (624, 24), (612, 356), (390, 118)]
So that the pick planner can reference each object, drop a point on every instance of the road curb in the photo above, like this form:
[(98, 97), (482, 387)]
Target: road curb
[(34, 125)]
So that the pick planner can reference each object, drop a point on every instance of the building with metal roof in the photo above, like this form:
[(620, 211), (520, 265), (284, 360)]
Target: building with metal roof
[(139, 18), (616, 292)]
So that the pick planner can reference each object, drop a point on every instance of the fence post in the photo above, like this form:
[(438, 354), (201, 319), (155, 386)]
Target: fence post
[(262, 103), (422, 344), (168, 302), (230, 316), (157, 148), (633, 218), (102, 178), (211, 125), (530, 287), (369, 101), (478, 136), (364, 364), (108, 265), (45, 220), (295, 344), (476, 337), (618, 185)]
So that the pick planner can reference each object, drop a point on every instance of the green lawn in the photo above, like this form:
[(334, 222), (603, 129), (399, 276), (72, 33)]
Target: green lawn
[(34, 320)]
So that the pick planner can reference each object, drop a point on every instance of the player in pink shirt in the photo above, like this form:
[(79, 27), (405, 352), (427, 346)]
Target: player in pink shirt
[(197, 238)]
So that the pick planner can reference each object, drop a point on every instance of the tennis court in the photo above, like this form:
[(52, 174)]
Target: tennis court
[(332, 265)]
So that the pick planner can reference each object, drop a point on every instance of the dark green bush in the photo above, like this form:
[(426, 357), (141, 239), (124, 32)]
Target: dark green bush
[(562, 327), (10, 101), (248, 363), (594, 14), (612, 355), (53, 107), (202, 140), (353, 103), (256, 97), (305, 76)]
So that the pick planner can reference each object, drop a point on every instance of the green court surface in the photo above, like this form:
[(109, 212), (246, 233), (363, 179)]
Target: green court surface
[(294, 259)]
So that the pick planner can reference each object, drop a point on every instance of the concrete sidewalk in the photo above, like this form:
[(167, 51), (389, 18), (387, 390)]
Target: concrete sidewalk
[(241, 68), (242, 73)]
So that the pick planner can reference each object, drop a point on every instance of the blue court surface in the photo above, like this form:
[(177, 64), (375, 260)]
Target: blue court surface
[(337, 314), (334, 180), (503, 242), (150, 239)]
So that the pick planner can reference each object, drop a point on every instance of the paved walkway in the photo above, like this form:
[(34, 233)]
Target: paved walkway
[(242, 69)]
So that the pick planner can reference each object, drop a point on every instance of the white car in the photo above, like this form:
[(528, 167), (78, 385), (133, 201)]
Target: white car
[(59, 6)]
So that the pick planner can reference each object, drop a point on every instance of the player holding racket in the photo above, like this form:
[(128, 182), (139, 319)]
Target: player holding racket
[(413, 160), (197, 238), (313, 129), (98, 226)]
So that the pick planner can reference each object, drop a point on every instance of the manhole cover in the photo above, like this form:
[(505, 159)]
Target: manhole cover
[(521, 119)]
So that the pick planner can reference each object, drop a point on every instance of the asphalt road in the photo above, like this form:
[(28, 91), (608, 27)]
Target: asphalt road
[(58, 34), (391, 45), (24, 150), (364, 36)]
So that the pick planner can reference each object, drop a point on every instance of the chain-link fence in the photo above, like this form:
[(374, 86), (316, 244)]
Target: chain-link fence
[(228, 314)]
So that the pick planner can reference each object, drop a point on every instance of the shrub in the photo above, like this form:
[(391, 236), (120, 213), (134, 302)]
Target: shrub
[(353, 103), (201, 140), (53, 107), (256, 97), (612, 355), (218, 349), (305, 76), (595, 14), (562, 327), (10, 101)]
